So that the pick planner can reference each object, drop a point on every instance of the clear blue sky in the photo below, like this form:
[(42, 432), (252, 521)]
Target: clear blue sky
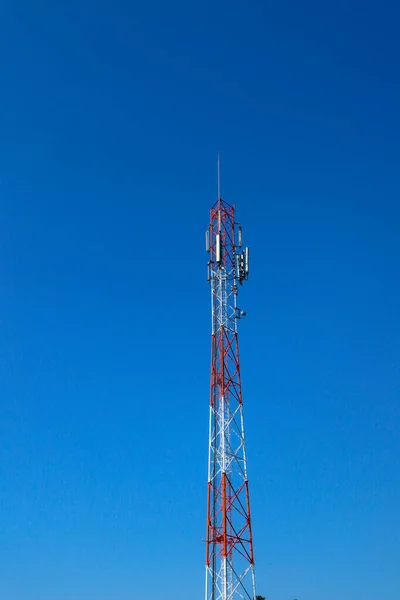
[(111, 117)]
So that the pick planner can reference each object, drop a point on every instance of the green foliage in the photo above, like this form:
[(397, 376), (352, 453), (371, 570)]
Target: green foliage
[(260, 597)]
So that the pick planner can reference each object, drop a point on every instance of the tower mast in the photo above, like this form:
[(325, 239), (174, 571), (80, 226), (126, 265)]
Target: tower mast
[(229, 543)]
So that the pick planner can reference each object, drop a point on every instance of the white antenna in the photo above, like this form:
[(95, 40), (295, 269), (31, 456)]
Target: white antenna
[(219, 179)]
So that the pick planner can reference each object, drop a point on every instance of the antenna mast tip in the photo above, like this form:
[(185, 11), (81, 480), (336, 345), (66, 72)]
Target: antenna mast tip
[(219, 177)]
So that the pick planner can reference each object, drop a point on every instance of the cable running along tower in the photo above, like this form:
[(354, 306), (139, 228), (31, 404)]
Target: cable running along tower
[(229, 544)]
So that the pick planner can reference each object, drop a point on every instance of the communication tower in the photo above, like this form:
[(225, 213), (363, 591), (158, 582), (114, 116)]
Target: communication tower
[(229, 542)]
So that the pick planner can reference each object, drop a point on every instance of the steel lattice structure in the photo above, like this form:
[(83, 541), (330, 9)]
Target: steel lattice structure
[(229, 544)]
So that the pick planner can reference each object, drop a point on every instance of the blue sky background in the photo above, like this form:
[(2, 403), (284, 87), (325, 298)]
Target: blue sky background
[(111, 117)]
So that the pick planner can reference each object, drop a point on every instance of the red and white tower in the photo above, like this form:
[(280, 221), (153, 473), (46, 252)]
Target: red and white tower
[(229, 543)]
